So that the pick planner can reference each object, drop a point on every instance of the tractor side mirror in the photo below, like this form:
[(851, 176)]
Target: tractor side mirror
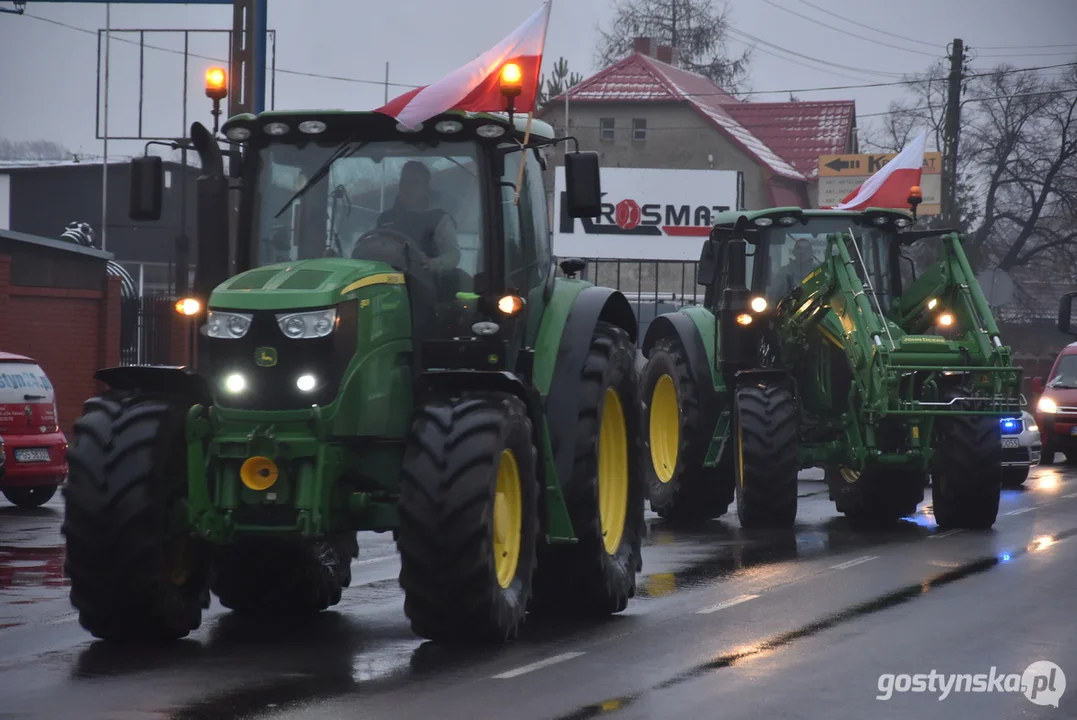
[(1037, 386), (583, 184), (147, 188), (707, 273), (1065, 313)]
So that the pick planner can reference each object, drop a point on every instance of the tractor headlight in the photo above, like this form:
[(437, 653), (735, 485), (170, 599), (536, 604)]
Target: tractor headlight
[(227, 324), (316, 324), (235, 383)]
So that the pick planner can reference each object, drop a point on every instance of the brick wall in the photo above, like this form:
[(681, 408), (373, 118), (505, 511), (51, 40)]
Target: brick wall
[(70, 333)]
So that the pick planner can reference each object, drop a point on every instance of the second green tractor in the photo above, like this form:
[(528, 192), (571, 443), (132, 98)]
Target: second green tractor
[(818, 346)]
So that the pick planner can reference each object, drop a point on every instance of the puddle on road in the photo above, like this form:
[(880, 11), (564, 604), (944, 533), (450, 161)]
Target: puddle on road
[(22, 567), (722, 551)]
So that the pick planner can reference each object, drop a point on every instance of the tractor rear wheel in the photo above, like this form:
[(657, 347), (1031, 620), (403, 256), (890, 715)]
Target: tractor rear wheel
[(966, 481), (277, 576), (680, 488), (131, 579), (469, 524), (596, 576), (766, 457)]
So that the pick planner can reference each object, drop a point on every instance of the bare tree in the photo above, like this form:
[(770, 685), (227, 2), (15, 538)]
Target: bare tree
[(33, 150), (560, 80), (697, 29), (1017, 162)]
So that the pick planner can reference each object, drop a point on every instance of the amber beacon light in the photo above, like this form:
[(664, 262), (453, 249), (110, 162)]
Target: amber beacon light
[(216, 83), (512, 80)]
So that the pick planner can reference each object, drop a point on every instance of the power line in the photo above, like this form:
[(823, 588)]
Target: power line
[(864, 71), (213, 59), (1027, 47), (873, 41), (888, 32)]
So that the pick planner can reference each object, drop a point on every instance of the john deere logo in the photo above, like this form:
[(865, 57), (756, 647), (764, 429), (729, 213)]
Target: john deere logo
[(265, 357)]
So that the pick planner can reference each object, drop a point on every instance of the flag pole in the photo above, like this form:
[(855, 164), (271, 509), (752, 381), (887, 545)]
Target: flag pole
[(523, 155)]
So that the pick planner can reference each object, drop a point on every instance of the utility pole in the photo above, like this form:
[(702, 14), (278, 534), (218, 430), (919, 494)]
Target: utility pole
[(952, 130)]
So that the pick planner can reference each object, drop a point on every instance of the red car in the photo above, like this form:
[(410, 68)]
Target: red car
[(1056, 409), (35, 450)]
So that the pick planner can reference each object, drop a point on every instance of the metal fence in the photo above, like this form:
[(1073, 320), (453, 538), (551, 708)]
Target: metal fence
[(145, 330), (653, 287)]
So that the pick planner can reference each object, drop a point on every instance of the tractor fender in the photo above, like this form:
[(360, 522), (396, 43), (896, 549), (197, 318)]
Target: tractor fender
[(448, 382), (165, 379), (680, 326), (590, 306)]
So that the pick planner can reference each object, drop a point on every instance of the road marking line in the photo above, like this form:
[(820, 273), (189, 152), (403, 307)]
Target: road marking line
[(1019, 511), (853, 563), (948, 533), (370, 561), (727, 603), (538, 665), (1070, 495)]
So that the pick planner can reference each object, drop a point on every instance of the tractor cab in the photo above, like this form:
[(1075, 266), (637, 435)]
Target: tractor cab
[(786, 246)]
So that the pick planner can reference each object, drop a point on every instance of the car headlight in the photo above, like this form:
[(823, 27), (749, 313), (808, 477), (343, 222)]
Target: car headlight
[(315, 324), (228, 325), (1047, 405)]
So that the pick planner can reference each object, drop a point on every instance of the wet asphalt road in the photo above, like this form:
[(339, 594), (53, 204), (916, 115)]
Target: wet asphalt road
[(728, 624)]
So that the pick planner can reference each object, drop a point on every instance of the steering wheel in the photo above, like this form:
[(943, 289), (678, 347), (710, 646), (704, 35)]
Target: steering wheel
[(399, 251)]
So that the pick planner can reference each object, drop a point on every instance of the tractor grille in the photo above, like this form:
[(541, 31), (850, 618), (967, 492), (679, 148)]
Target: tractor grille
[(274, 387)]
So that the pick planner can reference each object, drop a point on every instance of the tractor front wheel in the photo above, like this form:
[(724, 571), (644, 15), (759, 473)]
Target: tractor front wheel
[(596, 576), (966, 481), (469, 524), (766, 457), (131, 577), (877, 498), (680, 488)]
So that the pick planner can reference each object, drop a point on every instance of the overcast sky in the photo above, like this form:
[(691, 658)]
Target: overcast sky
[(48, 57)]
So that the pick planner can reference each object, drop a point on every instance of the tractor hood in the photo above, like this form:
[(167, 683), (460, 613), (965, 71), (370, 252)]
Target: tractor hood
[(294, 285)]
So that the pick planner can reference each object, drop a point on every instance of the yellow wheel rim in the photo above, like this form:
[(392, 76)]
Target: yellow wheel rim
[(665, 428), (612, 471), (179, 552), (508, 517)]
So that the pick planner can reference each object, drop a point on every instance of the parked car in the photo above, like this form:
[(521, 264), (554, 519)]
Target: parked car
[(1056, 408), (1021, 448), (35, 449)]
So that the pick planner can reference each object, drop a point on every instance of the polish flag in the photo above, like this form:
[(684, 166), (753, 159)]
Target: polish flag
[(475, 87), (889, 188)]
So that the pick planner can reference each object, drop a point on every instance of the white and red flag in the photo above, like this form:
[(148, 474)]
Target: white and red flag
[(889, 188), (475, 87)]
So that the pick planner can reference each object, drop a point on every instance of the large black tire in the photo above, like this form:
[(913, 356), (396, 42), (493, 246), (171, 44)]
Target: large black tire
[(675, 442), (967, 474), (459, 454), (765, 442), (877, 498), (277, 576), (30, 497), (127, 467), (593, 577)]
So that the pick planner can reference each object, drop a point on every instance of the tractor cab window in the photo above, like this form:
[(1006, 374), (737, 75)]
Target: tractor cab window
[(414, 206), (795, 252)]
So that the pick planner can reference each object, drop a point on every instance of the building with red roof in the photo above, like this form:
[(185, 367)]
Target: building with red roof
[(645, 112)]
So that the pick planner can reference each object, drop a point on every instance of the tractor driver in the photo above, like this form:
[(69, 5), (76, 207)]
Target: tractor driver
[(793, 272), (432, 229)]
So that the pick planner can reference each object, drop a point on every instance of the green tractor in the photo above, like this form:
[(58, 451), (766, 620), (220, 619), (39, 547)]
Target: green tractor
[(814, 349), (383, 344)]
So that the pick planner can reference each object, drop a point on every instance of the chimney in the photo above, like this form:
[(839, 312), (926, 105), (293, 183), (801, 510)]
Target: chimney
[(643, 45), (664, 54)]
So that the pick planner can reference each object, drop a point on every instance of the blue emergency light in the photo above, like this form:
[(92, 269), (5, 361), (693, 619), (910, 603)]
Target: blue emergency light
[(1010, 426)]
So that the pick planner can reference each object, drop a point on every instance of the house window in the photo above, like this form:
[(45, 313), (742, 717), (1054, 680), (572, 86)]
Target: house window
[(639, 129), (605, 129)]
